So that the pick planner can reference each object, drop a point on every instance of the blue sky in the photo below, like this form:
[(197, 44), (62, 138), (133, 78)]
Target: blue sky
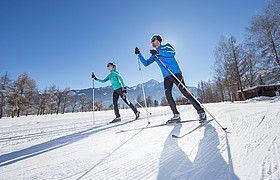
[(62, 41)]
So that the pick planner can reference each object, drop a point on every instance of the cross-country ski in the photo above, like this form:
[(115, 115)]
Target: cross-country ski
[(197, 127), (159, 125)]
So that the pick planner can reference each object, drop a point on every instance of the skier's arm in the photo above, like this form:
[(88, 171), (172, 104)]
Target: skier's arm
[(104, 80), (146, 62), (169, 51)]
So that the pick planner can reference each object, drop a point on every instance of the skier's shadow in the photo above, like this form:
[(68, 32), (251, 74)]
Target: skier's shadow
[(208, 163), (173, 159)]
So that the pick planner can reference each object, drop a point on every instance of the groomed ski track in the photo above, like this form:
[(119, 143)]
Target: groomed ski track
[(69, 146)]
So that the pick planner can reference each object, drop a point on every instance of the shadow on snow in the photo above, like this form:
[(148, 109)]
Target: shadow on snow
[(208, 163)]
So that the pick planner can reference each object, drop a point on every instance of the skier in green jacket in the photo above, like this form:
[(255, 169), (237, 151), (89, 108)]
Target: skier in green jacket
[(119, 90)]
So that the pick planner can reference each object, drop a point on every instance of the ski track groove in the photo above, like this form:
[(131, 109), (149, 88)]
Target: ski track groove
[(44, 133), (258, 140), (270, 168), (36, 129), (59, 132), (138, 170)]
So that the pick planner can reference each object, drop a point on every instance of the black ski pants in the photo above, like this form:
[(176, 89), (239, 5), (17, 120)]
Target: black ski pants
[(117, 93), (168, 85)]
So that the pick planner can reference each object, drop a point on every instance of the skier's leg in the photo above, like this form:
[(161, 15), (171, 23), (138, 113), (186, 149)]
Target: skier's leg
[(168, 93), (186, 94), (125, 99), (115, 102)]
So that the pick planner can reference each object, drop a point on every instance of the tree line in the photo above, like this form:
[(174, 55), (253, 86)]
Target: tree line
[(242, 65), (22, 97)]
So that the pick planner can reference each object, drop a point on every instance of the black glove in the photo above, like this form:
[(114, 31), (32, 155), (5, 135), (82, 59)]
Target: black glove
[(93, 76), (124, 90), (137, 51), (154, 52)]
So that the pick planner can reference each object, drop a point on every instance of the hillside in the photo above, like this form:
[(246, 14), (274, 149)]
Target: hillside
[(70, 146)]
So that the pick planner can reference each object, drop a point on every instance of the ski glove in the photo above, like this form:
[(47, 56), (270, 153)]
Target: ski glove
[(93, 76), (137, 51), (154, 52)]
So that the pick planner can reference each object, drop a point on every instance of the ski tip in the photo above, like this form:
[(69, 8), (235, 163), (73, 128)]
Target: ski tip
[(175, 136), (122, 130)]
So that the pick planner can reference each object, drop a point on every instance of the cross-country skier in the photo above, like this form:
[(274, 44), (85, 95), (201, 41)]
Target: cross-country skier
[(119, 90), (166, 53)]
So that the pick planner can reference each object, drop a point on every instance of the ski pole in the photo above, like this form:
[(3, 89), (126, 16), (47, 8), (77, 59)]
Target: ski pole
[(190, 92), (93, 100), (143, 90), (140, 105)]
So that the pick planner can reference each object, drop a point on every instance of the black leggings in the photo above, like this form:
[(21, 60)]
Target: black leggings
[(116, 94), (168, 85)]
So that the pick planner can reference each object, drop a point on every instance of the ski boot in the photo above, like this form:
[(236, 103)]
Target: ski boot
[(202, 117), (137, 115), (117, 119), (175, 119)]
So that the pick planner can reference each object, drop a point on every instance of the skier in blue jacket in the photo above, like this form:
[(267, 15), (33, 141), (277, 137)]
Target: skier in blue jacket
[(166, 53)]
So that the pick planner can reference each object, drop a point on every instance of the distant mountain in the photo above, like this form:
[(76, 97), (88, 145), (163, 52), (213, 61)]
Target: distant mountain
[(152, 88)]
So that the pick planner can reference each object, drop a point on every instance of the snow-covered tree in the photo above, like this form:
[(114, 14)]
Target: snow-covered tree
[(4, 88)]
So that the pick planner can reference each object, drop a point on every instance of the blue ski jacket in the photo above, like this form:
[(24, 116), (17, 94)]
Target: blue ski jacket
[(166, 55)]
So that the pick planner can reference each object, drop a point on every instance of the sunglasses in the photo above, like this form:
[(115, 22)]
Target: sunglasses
[(153, 39), (110, 65)]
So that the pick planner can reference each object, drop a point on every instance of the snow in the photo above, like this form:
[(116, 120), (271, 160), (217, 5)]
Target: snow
[(69, 146)]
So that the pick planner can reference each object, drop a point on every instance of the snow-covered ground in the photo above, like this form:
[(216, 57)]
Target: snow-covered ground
[(69, 146)]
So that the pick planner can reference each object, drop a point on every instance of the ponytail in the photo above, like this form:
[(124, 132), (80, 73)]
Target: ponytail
[(115, 67)]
